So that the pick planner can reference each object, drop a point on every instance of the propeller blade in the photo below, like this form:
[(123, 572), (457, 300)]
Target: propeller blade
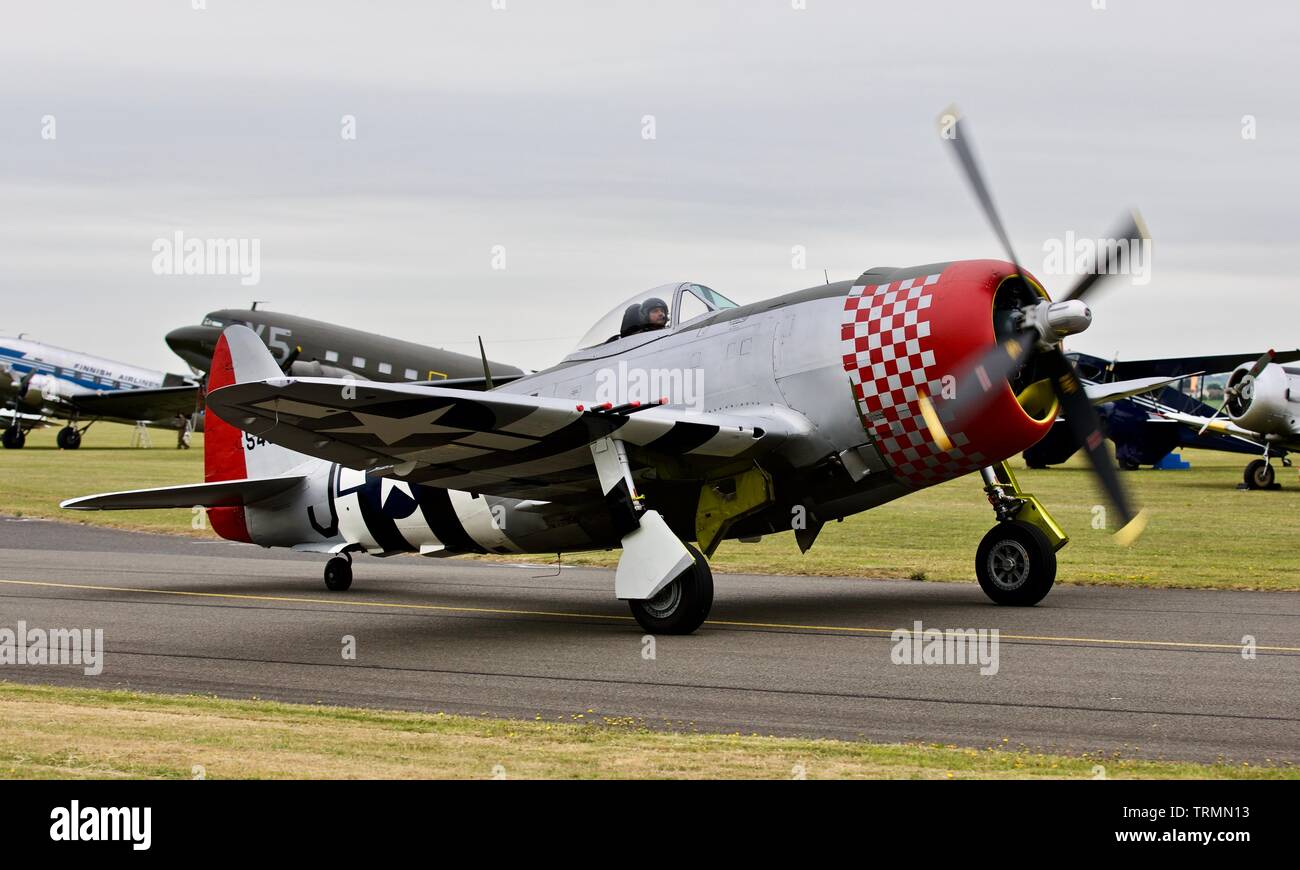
[(1132, 228), (1262, 362), (973, 386), (1086, 427), (961, 144)]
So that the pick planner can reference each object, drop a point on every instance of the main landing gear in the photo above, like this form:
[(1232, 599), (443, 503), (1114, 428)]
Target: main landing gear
[(1259, 473), (1016, 561), (14, 438), (682, 605), (69, 438), (338, 573)]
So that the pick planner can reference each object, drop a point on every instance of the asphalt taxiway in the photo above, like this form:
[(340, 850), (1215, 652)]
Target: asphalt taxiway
[(1145, 673)]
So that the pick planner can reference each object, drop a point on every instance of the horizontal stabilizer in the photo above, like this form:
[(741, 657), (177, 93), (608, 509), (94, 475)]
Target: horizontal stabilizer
[(225, 493)]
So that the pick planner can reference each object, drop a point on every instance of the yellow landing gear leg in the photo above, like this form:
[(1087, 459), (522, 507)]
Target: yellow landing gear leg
[(1010, 502), (1016, 561)]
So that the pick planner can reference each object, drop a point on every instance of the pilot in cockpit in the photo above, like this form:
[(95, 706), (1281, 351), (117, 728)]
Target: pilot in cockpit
[(650, 315)]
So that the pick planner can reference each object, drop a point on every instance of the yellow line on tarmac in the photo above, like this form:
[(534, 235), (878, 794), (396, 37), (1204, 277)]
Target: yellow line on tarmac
[(719, 622), (284, 598)]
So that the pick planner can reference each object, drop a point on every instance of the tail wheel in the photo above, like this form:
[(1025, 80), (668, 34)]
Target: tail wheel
[(1259, 475), (682, 605), (68, 438), (1015, 564), (338, 574), (13, 438)]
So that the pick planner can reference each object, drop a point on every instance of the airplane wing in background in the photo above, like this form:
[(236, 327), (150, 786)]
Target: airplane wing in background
[(160, 403), (1109, 392), (1186, 366), (496, 443), (1223, 427)]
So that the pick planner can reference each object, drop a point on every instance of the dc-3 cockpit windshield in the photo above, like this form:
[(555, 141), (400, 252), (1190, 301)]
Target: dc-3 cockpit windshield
[(665, 307)]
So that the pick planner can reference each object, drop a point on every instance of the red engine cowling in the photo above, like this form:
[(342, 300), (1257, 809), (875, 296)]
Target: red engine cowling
[(909, 333)]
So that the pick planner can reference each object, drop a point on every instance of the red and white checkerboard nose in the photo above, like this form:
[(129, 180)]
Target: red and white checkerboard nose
[(913, 334)]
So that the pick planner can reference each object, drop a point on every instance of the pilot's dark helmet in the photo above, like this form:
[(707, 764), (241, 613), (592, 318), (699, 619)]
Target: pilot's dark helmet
[(651, 304)]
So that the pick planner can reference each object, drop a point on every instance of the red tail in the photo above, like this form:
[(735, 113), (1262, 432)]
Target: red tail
[(223, 450)]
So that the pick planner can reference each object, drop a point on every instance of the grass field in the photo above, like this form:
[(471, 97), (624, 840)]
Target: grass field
[(1203, 531), (50, 732)]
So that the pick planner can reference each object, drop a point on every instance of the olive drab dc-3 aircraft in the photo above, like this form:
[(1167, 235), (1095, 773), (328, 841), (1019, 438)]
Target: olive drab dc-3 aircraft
[(818, 404)]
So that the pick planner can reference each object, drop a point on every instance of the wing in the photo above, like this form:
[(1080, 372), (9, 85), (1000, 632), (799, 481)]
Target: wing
[(1189, 365), (225, 493), (1109, 392), (495, 443), (1219, 426), (160, 403)]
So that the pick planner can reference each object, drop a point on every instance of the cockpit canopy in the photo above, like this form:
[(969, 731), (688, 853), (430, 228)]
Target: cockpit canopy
[(665, 307)]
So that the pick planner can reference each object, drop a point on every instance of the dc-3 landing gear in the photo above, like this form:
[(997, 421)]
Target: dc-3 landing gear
[(1016, 561), (14, 438), (338, 573), (69, 438)]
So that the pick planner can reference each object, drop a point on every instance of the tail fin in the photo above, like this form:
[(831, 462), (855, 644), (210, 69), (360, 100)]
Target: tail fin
[(228, 453)]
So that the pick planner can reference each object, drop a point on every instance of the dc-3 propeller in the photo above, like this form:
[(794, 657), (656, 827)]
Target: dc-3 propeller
[(1037, 331)]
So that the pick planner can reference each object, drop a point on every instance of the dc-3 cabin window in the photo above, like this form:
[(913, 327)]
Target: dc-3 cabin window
[(358, 362), (412, 375), (331, 356), (385, 368)]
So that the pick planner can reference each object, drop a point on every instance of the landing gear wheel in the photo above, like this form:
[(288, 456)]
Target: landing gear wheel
[(1129, 464), (338, 574), (682, 605), (13, 438), (1259, 475), (68, 438), (1016, 564)]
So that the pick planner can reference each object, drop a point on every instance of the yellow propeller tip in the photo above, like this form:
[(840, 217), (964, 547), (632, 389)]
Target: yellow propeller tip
[(932, 421), (1133, 530)]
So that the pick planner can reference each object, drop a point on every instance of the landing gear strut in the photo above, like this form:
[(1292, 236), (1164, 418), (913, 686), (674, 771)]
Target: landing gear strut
[(1016, 561), (338, 573), (682, 605)]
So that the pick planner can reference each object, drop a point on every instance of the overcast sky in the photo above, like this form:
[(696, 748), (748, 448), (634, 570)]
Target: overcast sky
[(522, 127)]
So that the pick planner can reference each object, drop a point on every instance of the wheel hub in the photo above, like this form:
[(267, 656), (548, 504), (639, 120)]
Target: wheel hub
[(665, 601), (1008, 564)]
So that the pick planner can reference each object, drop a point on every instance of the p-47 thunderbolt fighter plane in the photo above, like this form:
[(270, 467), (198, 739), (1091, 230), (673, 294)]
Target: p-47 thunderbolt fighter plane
[(1262, 403), (781, 415)]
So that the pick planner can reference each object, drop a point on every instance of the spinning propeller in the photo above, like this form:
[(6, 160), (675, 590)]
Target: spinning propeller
[(1038, 329), (1234, 391)]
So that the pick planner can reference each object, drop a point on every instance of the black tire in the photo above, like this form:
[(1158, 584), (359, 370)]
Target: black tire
[(338, 574), (1015, 564), (682, 605), (1129, 464), (1259, 475), (68, 438), (13, 438), (1035, 464)]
